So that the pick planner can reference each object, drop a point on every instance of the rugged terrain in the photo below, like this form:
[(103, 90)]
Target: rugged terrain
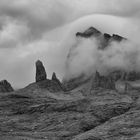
[(96, 108)]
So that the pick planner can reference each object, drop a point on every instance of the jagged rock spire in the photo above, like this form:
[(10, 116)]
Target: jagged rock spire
[(5, 86), (40, 71), (57, 81), (54, 76)]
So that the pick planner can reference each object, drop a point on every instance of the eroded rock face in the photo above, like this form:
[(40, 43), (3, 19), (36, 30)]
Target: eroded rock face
[(5, 86), (117, 38), (57, 81), (104, 39), (90, 32), (122, 75), (40, 71), (53, 85), (103, 82)]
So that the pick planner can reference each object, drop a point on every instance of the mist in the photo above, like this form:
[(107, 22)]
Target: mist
[(86, 58)]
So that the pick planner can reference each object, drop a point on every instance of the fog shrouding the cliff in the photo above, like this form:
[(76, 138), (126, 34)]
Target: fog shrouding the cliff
[(86, 58), (45, 30)]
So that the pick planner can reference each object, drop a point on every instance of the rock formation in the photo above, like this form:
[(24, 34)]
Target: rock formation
[(103, 82), (54, 78), (104, 40), (88, 33), (57, 81), (53, 85), (93, 32), (5, 86), (40, 72)]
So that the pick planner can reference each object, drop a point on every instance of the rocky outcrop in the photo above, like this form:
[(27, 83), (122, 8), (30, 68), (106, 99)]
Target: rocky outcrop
[(113, 80), (124, 76), (5, 86), (132, 76), (53, 85), (57, 81), (89, 33), (102, 82), (40, 71), (104, 39), (93, 32)]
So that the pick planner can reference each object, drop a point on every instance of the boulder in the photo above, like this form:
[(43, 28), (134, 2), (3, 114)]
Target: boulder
[(117, 38)]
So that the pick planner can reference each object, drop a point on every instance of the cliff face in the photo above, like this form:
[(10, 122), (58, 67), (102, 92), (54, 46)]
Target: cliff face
[(104, 39), (105, 81)]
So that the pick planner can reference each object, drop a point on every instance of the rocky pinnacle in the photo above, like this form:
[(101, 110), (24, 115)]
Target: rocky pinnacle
[(40, 71)]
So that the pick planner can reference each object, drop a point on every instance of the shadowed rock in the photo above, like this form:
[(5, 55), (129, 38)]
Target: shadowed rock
[(40, 72), (88, 33), (5, 86), (104, 39), (117, 38), (56, 80), (103, 82)]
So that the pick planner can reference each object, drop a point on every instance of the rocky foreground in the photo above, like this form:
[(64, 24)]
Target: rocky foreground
[(35, 113), (97, 108)]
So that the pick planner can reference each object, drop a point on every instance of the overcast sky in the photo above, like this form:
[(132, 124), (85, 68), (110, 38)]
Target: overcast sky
[(44, 29)]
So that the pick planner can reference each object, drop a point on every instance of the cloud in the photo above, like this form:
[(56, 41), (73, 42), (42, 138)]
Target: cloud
[(45, 29), (85, 57), (40, 16), (111, 7), (12, 33)]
